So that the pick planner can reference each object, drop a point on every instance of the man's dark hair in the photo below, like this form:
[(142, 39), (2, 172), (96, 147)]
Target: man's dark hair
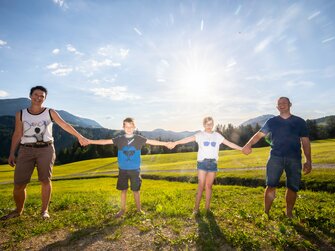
[(38, 87), (289, 101)]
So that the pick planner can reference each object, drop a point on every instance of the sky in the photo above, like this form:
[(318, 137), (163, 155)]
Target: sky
[(170, 63)]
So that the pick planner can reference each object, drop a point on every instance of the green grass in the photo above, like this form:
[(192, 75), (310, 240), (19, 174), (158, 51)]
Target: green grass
[(85, 207)]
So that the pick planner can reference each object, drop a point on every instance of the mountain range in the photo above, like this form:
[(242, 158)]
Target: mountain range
[(8, 107)]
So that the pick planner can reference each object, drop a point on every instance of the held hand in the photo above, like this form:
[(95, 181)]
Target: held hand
[(169, 145), (11, 160), (246, 150), (307, 168), (83, 141), (172, 145)]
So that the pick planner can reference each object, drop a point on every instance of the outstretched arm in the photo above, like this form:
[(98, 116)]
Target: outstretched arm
[(156, 142), (231, 145), (306, 147), (182, 141), (67, 127), (254, 139), (100, 141)]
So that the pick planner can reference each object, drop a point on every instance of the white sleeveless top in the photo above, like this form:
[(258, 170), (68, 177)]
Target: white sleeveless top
[(36, 127)]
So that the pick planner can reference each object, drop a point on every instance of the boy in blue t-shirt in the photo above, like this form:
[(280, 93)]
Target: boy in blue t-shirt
[(287, 134), (129, 161)]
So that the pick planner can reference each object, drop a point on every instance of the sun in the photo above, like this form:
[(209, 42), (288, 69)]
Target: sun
[(196, 77)]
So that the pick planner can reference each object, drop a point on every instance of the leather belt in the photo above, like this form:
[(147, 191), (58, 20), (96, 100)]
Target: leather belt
[(37, 144)]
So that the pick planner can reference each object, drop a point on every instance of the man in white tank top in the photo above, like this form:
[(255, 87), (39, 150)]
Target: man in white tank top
[(33, 133)]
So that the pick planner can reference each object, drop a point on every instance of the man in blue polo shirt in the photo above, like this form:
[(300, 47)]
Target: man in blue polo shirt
[(287, 133)]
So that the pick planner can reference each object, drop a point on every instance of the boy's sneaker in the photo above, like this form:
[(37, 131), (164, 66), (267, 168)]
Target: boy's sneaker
[(141, 212), (195, 214), (119, 214), (45, 215)]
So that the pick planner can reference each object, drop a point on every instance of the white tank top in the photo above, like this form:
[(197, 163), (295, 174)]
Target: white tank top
[(36, 127)]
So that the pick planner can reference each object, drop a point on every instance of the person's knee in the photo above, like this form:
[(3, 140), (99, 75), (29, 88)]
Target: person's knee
[(209, 187), (270, 193), (20, 187), (46, 183)]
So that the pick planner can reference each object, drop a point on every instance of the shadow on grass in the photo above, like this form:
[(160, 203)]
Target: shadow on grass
[(210, 234), (86, 236), (318, 240)]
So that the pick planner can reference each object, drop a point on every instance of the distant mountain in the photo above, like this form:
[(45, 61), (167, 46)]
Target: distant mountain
[(323, 120), (166, 135), (260, 120), (8, 107)]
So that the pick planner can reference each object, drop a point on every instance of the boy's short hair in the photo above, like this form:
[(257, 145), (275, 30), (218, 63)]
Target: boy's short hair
[(206, 119), (38, 87), (129, 120)]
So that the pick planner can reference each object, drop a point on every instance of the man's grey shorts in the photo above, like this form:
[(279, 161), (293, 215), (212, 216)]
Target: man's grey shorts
[(133, 176), (276, 166), (29, 157)]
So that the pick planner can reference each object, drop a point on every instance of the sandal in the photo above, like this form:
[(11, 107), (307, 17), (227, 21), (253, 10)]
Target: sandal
[(11, 215)]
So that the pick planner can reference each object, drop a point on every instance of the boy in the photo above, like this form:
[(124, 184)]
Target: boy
[(129, 161)]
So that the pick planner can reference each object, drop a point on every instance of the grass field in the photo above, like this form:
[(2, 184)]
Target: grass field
[(82, 209)]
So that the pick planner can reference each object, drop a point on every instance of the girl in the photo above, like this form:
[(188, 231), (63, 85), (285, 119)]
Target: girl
[(208, 155)]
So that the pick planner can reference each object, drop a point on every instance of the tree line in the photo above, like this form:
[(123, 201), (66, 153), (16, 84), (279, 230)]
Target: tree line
[(69, 150)]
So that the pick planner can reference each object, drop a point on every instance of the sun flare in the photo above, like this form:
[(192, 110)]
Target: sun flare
[(197, 78)]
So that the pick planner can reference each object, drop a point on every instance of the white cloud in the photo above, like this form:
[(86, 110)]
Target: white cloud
[(3, 94), (72, 49), (138, 31), (53, 66), (315, 14), (55, 51), (107, 62), (115, 93), (124, 53), (202, 25), (328, 40), (59, 69), (2, 43), (61, 3), (237, 11), (103, 80), (262, 45), (299, 84), (111, 51)]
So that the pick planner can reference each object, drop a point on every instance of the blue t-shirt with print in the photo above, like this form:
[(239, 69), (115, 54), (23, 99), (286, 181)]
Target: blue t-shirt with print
[(285, 135), (129, 151)]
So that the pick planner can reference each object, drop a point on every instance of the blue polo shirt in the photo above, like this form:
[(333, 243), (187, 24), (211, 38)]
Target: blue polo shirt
[(285, 135)]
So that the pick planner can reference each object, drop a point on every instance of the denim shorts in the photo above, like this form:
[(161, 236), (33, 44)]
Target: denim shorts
[(276, 166), (125, 176), (208, 165)]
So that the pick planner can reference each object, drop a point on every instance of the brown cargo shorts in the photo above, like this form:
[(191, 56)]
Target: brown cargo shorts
[(29, 157)]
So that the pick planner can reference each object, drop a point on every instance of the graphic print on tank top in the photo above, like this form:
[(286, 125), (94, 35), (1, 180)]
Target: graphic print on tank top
[(35, 130)]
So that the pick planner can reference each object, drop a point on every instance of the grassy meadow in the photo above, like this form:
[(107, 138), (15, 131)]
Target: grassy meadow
[(85, 199)]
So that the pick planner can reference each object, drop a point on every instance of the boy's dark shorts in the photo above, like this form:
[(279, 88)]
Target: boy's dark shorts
[(133, 176)]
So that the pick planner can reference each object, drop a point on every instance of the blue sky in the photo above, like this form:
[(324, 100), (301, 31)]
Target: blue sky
[(170, 63)]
